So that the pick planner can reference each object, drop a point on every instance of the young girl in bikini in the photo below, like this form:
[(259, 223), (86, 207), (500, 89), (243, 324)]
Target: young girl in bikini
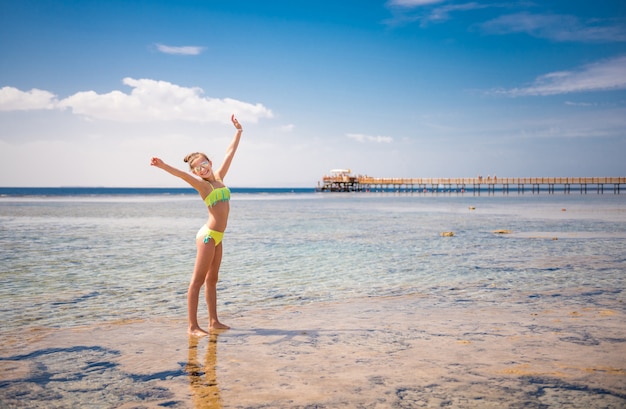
[(216, 195)]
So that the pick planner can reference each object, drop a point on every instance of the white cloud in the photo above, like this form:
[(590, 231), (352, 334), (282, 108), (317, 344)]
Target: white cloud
[(412, 3), (428, 11), (556, 27), (368, 138), (149, 100), (12, 99), (579, 104), (443, 13), (607, 75), (184, 50)]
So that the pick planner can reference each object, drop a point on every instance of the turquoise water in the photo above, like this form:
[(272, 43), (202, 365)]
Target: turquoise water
[(72, 260)]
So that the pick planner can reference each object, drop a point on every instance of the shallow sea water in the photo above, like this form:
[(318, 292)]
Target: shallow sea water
[(345, 300)]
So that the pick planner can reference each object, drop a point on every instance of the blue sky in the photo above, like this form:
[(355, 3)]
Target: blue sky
[(90, 89)]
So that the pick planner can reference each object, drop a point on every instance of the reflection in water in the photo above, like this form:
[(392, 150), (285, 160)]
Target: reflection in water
[(205, 392)]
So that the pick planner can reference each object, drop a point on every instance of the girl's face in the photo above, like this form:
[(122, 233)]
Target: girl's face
[(201, 166)]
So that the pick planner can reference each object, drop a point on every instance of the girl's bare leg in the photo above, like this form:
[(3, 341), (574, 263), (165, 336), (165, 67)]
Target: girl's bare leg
[(210, 289), (204, 260)]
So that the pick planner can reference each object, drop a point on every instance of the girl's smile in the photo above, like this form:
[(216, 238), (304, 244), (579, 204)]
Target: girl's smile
[(203, 168)]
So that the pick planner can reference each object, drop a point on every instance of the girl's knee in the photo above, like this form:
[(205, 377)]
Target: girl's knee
[(195, 287), (211, 279), (197, 281)]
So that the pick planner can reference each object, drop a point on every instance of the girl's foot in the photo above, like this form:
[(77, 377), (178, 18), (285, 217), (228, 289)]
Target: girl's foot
[(197, 332), (218, 325)]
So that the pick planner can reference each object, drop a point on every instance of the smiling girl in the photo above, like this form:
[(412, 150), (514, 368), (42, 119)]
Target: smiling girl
[(209, 184)]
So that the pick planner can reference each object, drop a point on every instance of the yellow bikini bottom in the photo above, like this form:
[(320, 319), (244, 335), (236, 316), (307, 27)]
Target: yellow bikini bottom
[(209, 234)]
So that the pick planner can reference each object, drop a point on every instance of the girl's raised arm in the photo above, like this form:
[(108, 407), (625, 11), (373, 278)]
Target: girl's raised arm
[(230, 152), (187, 177)]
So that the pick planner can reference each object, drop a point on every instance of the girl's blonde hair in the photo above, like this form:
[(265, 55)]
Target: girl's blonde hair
[(193, 156)]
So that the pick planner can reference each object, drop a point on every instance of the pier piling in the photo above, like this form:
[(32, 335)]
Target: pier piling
[(345, 182)]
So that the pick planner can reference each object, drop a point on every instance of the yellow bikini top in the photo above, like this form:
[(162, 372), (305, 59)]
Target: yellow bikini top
[(221, 194)]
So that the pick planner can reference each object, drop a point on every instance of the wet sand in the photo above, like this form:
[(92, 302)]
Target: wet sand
[(408, 352)]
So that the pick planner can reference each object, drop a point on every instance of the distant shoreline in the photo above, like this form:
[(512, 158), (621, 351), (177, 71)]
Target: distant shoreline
[(131, 191), (65, 191)]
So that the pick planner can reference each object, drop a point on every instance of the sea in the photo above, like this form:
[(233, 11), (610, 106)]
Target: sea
[(81, 256), (394, 272)]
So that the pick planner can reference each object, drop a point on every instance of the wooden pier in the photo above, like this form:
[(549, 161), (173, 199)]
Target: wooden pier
[(345, 182)]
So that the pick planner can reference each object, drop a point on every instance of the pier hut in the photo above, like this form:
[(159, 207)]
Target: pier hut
[(342, 180)]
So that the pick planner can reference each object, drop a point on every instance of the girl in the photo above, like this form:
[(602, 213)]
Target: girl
[(216, 195)]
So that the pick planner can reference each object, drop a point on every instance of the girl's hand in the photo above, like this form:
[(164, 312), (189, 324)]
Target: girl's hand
[(236, 123), (156, 162)]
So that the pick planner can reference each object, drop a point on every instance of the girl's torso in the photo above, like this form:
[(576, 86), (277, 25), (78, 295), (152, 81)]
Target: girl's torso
[(216, 196)]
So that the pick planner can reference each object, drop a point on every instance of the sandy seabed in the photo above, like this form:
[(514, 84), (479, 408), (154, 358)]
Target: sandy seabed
[(374, 353)]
